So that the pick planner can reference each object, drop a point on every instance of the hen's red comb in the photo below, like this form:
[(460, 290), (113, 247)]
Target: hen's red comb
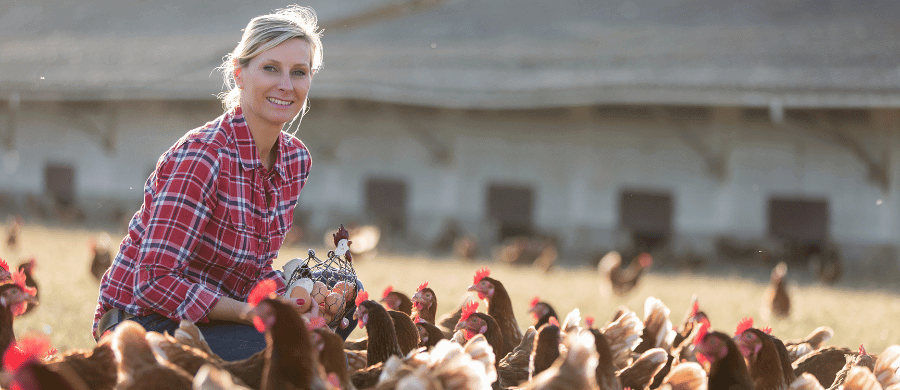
[(422, 286), (554, 321), (262, 291), (862, 351), (589, 321), (745, 324), (481, 273), (362, 297), (416, 319), (4, 264), (767, 330), (701, 333), (387, 291), (24, 350), (535, 301), (18, 278), (695, 308), (468, 310)]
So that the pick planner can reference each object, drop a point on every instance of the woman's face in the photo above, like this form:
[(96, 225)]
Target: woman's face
[(275, 83)]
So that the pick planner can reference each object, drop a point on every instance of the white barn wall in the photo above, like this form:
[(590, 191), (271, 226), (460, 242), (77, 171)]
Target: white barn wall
[(576, 169)]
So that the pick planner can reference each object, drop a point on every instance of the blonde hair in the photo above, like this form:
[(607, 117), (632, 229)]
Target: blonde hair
[(265, 32)]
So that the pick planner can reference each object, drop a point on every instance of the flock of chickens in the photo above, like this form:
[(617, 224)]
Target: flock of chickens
[(408, 347)]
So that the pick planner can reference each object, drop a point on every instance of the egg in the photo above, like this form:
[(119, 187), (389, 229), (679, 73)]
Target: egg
[(341, 287), (298, 292), (319, 291), (333, 302)]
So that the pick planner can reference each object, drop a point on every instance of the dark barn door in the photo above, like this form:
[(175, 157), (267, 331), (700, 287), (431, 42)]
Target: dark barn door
[(386, 201), (512, 206)]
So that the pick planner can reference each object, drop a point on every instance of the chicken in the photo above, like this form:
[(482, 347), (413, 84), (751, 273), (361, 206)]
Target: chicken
[(27, 269), (425, 303), (139, 368), (766, 357), (472, 323), (13, 233), (862, 359), (727, 369), (101, 255), (406, 331), (447, 322), (618, 280), (859, 378), (211, 378), (776, 300), (639, 374), (499, 306), (823, 363), (513, 368), (658, 330), (247, 371), (12, 298), (429, 335), (379, 329), (290, 361), (395, 300), (448, 366), (331, 355), (541, 311), (24, 361), (96, 367), (5, 275), (887, 367), (623, 335), (605, 372), (546, 347), (574, 370), (812, 342), (686, 376), (806, 381), (466, 247), (188, 358)]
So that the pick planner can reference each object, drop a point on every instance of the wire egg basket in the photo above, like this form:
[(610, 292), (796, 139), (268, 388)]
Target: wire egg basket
[(333, 272)]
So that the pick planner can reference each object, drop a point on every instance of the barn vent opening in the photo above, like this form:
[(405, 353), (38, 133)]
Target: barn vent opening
[(801, 224), (511, 206), (647, 216), (386, 203), (59, 184)]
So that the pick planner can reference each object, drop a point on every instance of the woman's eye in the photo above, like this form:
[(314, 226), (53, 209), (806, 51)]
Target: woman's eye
[(269, 68), (299, 73)]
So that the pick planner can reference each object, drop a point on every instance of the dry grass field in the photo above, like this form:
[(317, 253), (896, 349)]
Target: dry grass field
[(859, 312)]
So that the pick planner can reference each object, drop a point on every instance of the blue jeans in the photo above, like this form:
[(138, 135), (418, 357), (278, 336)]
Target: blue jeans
[(229, 340)]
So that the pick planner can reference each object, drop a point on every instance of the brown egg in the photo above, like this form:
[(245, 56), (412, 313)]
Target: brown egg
[(319, 292), (333, 302), (298, 292)]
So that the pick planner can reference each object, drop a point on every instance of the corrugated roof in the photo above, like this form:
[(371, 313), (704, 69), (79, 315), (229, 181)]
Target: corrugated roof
[(470, 53)]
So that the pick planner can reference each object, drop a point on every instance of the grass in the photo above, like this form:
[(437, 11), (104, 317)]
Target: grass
[(859, 312)]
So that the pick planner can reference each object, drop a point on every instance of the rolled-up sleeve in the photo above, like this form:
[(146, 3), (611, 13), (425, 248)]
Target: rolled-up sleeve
[(183, 197)]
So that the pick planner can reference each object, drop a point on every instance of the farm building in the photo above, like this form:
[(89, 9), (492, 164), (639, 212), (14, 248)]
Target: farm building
[(679, 124)]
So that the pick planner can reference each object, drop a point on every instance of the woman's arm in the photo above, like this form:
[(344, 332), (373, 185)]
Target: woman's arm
[(178, 204), (227, 309)]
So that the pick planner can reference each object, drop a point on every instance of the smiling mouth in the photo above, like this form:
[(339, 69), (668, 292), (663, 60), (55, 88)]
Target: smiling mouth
[(280, 102)]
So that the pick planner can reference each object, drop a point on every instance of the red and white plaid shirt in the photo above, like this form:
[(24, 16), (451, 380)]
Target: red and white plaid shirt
[(204, 230)]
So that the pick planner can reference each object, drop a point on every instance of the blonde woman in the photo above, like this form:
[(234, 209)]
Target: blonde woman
[(221, 199)]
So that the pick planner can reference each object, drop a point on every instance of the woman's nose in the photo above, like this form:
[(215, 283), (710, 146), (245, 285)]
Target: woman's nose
[(284, 82)]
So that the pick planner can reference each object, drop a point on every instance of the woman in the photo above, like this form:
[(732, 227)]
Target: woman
[(219, 202)]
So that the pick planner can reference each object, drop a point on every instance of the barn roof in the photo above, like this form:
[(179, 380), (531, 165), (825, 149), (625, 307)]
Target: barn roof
[(476, 54)]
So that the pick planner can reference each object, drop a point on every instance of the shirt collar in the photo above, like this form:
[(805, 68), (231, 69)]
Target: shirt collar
[(246, 146)]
